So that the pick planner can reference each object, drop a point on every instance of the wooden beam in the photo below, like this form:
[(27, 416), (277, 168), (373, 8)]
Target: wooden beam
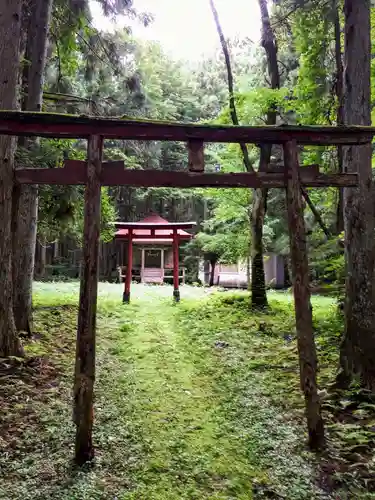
[(73, 170), (85, 350), (196, 156), (156, 178), (152, 225), (301, 290), (140, 239), (81, 164), (311, 170), (72, 126)]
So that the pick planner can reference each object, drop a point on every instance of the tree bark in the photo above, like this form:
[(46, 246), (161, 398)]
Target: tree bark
[(42, 258), (24, 241), (258, 281), (340, 112), (212, 272), (10, 24), (357, 355), (26, 197), (258, 286), (55, 251)]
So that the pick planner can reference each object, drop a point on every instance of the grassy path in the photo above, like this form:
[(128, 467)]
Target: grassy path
[(184, 409), (202, 426), (189, 454)]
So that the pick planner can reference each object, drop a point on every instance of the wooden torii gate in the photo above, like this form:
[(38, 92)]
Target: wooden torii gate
[(95, 173)]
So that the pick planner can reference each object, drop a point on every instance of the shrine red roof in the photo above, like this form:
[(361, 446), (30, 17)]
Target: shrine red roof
[(153, 229)]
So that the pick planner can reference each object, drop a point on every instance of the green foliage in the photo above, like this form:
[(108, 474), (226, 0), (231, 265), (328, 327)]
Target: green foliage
[(108, 216), (327, 261), (116, 74), (312, 31), (254, 105), (61, 208), (226, 230), (216, 246)]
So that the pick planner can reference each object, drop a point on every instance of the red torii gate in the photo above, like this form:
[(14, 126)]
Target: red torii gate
[(95, 173), (148, 230)]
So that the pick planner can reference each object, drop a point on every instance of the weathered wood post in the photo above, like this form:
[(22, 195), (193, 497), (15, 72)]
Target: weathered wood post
[(129, 268), (85, 349), (196, 155), (301, 290), (176, 290)]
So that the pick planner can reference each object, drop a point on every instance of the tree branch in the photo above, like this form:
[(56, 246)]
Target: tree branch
[(317, 215), (232, 103)]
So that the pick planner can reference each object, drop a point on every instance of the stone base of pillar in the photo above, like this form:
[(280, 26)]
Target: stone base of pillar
[(176, 295), (126, 297)]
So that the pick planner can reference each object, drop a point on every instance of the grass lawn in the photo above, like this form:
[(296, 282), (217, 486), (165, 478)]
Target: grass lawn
[(196, 400)]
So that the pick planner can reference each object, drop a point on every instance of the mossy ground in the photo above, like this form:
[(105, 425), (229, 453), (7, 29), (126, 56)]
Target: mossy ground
[(198, 400)]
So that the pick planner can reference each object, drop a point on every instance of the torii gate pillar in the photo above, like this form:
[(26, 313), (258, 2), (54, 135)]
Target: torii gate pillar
[(129, 268), (176, 288)]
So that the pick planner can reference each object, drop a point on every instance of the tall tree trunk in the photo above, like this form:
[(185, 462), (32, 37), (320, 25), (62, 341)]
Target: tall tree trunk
[(258, 280), (357, 355), (56, 252), (26, 197), (258, 285), (228, 65), (212, 272), (258, 288), (10, 24), (340, 111)]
